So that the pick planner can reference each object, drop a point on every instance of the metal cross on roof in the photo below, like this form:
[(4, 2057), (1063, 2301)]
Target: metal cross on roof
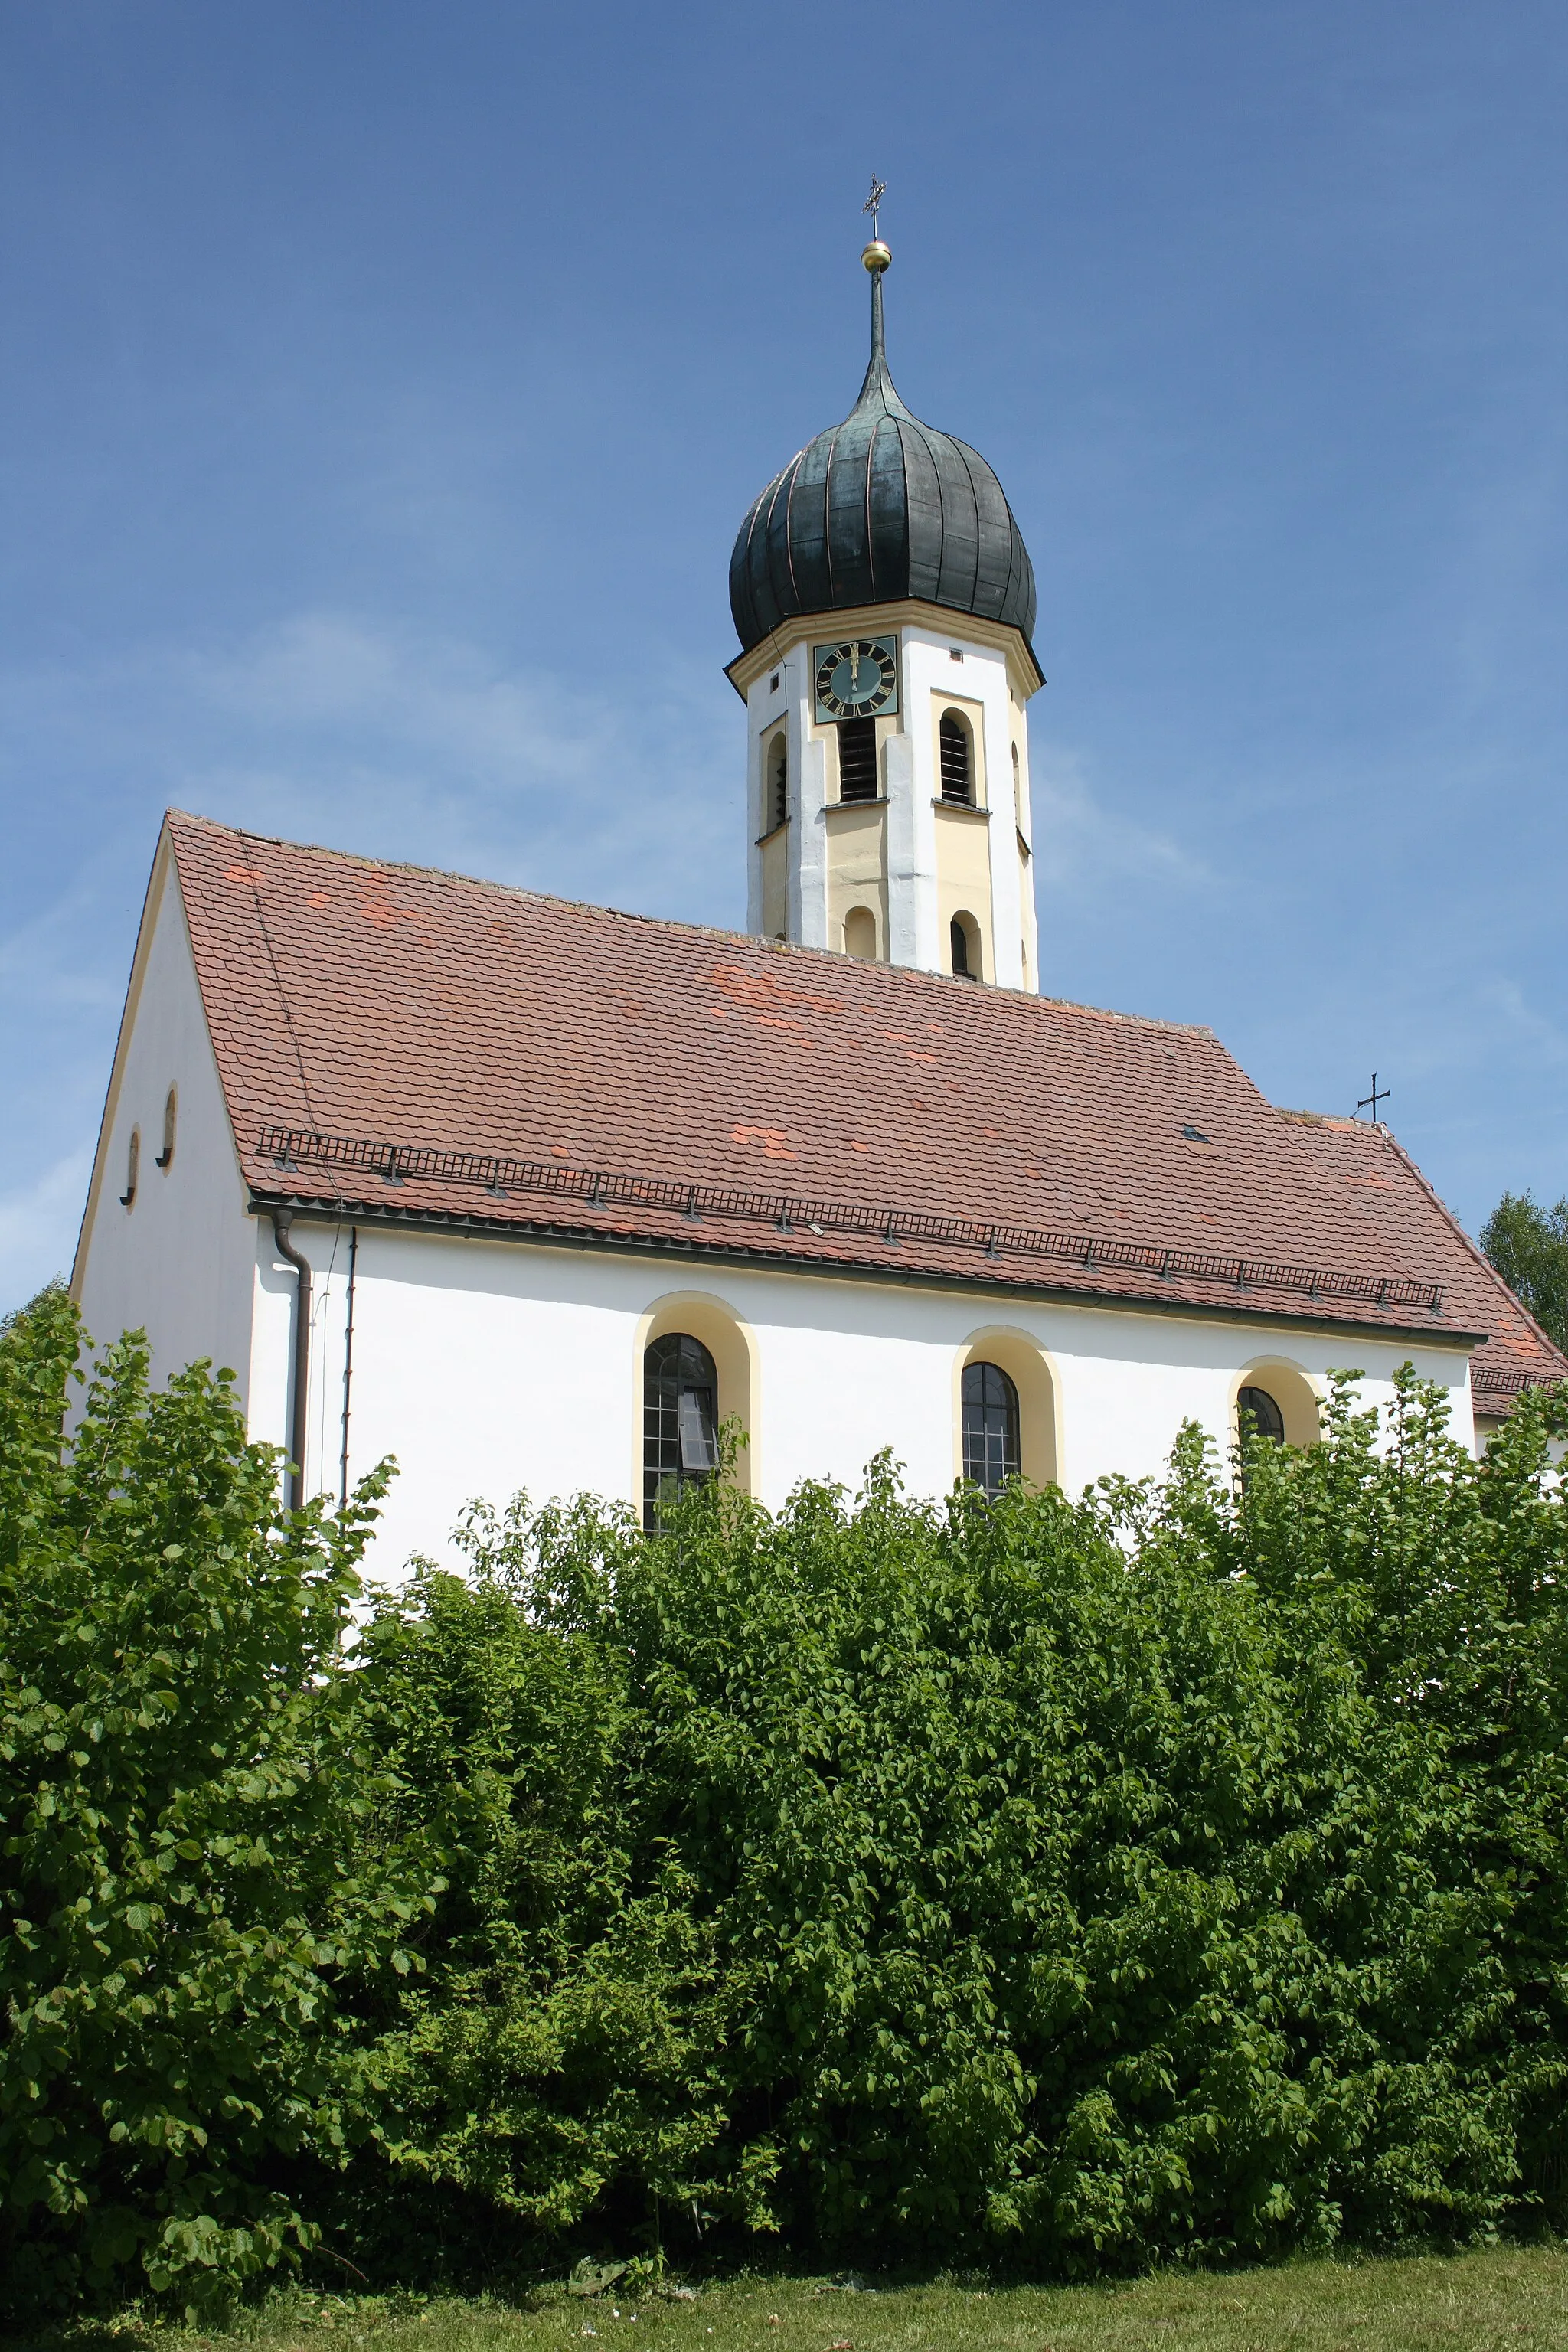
[(878, 190), (1377, 1095)]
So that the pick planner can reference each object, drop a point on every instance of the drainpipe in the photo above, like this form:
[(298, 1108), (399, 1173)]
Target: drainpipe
[(283, 1219)]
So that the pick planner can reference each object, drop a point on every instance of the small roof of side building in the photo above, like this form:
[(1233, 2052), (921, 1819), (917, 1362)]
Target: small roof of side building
[(423, 1048), (1393, 1193)]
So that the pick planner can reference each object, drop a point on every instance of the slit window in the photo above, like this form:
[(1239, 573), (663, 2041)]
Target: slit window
[(680, 1422), (171, 1114), (953, 754), (857, 760), (778, 781), (990, 1427), (132, 1168)]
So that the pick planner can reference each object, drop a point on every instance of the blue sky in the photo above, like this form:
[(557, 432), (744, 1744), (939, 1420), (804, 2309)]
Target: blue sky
[(382, 383)]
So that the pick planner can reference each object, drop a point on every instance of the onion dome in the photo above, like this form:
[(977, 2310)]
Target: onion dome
[(878, 508)]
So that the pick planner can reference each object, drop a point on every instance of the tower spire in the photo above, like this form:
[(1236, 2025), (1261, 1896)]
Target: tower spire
[(876, 258)]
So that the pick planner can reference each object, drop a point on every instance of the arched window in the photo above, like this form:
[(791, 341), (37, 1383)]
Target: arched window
[(1016, 779), (132, 1168), (963, 945), (953, 750), (680, 1423), (857, 760), (1258, 1414), (990, 1426), (860, 933), (171, 1109), (778, 780)]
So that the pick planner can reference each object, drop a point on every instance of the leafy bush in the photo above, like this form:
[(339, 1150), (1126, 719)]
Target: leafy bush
[(1161, 1873), (1174, 1871), (189, 1868)]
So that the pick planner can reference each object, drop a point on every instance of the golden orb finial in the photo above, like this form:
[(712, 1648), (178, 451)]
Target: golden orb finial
[(876, 256)]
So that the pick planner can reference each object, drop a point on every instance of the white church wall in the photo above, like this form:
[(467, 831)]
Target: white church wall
[(916, 924), (486, 1366), (176, 1262)]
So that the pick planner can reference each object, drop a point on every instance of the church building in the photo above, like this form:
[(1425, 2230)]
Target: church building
[(535, 1195)]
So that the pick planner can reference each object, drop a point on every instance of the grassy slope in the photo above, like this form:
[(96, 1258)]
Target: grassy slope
[(1504, 2296)]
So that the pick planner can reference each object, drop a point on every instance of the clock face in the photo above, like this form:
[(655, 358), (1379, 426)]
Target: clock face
[(857, 679)]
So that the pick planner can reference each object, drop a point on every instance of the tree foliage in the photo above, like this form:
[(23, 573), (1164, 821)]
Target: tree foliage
[(1177, 1871), (190, 1869), (1529, 1247)]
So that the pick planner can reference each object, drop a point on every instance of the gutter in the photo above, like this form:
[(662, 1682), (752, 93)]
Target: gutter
[(300, 1382)]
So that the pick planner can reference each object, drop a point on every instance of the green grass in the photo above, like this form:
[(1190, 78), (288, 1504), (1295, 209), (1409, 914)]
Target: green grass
[(1502, 2296)]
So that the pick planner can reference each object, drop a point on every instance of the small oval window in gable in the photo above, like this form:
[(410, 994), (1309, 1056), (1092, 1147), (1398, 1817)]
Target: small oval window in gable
[(171, 1114), (132, 1168)]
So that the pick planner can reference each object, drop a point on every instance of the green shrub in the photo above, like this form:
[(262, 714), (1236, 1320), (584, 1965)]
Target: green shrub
[(1175, 1871), (1161, 1873), (189, 1869)]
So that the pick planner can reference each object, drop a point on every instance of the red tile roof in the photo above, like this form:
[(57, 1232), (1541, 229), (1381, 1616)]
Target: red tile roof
[(1392, 1190), (362, 1002)]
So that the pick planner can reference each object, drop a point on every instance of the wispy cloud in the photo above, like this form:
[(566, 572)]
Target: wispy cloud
[(1079, 841), (38, 1224), (1544, 1040), (386, 739), (335, 726)]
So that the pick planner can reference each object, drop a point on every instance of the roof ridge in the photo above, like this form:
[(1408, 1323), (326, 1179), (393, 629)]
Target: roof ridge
[(672, 923)]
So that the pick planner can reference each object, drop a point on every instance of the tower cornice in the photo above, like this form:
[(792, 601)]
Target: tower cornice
[(1024, 672)]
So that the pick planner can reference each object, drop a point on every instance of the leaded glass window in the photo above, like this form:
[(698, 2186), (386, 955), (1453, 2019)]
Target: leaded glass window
[(1258, 1414), (990, 1426), (681, 1420)]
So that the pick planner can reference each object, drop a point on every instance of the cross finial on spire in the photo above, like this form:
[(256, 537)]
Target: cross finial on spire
[(878, 190)]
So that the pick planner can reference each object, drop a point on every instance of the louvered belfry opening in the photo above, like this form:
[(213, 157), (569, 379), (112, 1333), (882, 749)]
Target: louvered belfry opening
[(778, 779), (952, 744), (857, 760)]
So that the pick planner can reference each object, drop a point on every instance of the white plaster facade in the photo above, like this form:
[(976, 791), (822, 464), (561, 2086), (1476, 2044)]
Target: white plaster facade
[(178, 1262), (488, 1365), (934, 860), (485, 1365)]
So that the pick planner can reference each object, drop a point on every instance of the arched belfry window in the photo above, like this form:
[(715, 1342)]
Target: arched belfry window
[(954, 755), (681, 1420), (778, 780), (1259, 1414), (990, 1405), (857, 760)]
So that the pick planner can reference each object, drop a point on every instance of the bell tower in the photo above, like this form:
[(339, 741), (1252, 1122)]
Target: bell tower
[(885, 604)]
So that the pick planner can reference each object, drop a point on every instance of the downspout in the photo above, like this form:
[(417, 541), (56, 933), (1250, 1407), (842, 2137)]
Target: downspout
[(283, 1219)]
